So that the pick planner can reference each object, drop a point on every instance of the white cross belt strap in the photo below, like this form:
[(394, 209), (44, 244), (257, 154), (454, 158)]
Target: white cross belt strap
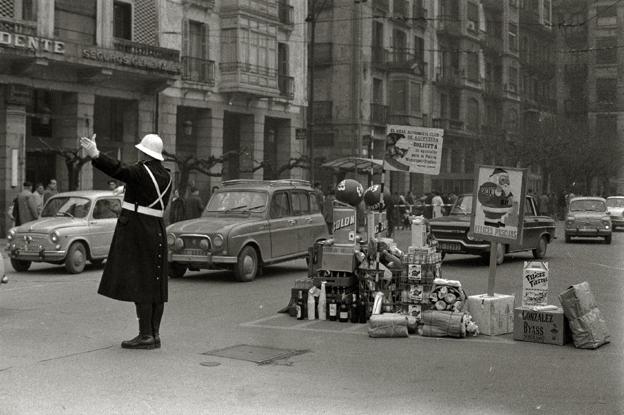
[(142, 209)]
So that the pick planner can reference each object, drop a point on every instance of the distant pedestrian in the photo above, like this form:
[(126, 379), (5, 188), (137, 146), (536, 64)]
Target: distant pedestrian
[(428, 206), (552, 202), (136, 268), (177, 211), (437, 203), (27, 205), (51, 190), (318, 190), (544, 205), (194, 206), (38, 195), (390, 208), (328, 210)]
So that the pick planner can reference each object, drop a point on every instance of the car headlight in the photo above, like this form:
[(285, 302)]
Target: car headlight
[(218, 241), (54, 237), (470, 236), (171, 239), (570, 218), (11, 235), (179, 244)]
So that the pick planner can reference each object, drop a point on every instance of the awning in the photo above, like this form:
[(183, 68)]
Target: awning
[(360, 164)]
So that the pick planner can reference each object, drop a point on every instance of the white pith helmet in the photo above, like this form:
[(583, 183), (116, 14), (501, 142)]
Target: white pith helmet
[(151, 145)]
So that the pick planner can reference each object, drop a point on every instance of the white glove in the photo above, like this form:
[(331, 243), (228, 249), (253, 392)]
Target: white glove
[(90, 147)]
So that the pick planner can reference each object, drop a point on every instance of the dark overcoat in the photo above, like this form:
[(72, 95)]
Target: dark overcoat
[(136, 268)]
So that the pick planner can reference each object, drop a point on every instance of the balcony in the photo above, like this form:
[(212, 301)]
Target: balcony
[(419, 15), (262, 8), (323, 111), (285, 13), (381, 5), (246, 78), (203, 4), (400, 11), (378, 114), (20, 27), (140, 49), (448, 77), (198, 70), (286, 86), (323, 54), (448, 124), (403, 60), (449, 26)]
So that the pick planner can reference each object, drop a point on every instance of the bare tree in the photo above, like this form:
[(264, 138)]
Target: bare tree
[(73, 158), (272, 171), (187, 164)]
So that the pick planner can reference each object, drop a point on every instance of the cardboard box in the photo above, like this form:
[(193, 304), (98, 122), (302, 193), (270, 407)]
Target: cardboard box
[(345, 226), (493, 315), (544, 326)]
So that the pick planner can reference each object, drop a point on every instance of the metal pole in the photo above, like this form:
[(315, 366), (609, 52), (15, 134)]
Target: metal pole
[(312, 21), (492, 274)]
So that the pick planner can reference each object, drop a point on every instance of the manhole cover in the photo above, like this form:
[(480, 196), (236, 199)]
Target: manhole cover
[(257, 354)]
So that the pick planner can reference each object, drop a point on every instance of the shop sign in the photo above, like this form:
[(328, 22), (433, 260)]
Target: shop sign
[(413, 149), (125, 59), (38, 44)]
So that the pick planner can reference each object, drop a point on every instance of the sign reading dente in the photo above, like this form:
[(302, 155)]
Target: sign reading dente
[(15, 40)]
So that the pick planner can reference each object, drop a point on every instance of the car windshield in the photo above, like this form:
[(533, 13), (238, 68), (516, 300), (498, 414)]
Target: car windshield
[(588, 205), (237, 201), (70, 206), (463, 206), (615, 202)]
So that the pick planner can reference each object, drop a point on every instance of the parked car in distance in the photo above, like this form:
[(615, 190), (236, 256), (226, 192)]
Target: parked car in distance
[(248, 224), (588, 217), (73, 228), (454, 237), (615, 206)]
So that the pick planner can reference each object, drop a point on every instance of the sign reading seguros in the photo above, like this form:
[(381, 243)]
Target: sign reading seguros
[(497, 206)]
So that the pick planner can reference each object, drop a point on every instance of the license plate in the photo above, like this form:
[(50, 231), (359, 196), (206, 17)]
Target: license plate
[(450, 247), (588, 229)]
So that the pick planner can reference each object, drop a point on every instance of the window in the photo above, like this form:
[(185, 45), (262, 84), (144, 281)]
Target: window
[(606, 15), (472, 69), (443, 105), (472, 119), (107, 209), (473, 17), (196, 51), (513, 79), (122, 20), (415, 98), (315, 203), (279, 205), (546, 12), (282, 59), (398, 97), (513, 37), (378, 91), (606, 50), (454, 106), (300, 203), (606, 90), (419, 48), (29, 10)]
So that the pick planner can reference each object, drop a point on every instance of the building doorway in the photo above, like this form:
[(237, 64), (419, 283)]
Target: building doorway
[(231, 142)]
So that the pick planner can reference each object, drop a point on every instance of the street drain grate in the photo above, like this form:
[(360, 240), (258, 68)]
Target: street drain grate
[(257, 354)]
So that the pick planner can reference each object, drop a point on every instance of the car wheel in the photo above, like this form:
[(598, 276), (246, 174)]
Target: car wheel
[(246, 267), (608, 239), (76, 258), (540, 251), (568, 238), (19, 265), (176, 270)]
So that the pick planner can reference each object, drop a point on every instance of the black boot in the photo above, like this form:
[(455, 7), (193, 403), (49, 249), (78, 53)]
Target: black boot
[(157, 312), (145, 339)]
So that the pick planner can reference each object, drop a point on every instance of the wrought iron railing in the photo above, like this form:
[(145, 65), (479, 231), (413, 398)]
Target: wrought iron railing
[(142, 49), (21, 27), (286, 85), (198, 70), (285, 13), (228, 67)]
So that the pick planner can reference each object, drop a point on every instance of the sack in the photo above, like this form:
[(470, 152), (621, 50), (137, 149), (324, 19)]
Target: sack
[(589, 329), (387, 325)]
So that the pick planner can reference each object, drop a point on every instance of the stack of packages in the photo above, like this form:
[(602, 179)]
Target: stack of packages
[(589, 329), (415, 286)]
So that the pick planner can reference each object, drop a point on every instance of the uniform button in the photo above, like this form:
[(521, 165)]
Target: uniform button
[(159, 234), (160, 245), (159, 256)]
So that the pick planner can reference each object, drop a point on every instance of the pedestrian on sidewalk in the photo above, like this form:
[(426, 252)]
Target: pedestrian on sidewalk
[(136, 268), (26, 204)]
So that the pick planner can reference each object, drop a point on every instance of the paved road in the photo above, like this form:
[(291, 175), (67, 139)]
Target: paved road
[(60, 354)]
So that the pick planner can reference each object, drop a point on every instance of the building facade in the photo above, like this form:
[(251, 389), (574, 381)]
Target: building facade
[(209, 77), (591, 83)]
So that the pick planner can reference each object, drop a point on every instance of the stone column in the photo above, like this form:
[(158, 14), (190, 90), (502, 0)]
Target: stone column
[(104, 29), (216, 144), (252, 141), (45, 18)]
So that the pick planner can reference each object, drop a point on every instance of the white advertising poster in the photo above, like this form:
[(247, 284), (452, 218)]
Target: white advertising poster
[(496, 203), (413, 149)]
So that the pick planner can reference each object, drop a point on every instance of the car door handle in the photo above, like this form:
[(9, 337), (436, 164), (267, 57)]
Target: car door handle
[(291, 221), (93, 222)]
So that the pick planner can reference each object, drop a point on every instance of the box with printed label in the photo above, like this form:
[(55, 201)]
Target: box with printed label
[(493, 314), (541, 326)]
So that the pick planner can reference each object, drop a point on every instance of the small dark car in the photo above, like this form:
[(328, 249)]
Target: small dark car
[(452, 232)]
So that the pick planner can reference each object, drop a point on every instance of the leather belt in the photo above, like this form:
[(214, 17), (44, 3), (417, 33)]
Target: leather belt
[(142, 209)]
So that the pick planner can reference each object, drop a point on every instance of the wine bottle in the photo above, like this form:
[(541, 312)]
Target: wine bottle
[(299, 305), (354, 311), (363, 309), (333, 307), (322, 303), (344, 309)]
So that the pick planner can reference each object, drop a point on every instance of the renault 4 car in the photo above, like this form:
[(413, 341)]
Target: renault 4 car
[(454, 237), (73, 228), (588, 217), (615, 206), (246, 225)]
